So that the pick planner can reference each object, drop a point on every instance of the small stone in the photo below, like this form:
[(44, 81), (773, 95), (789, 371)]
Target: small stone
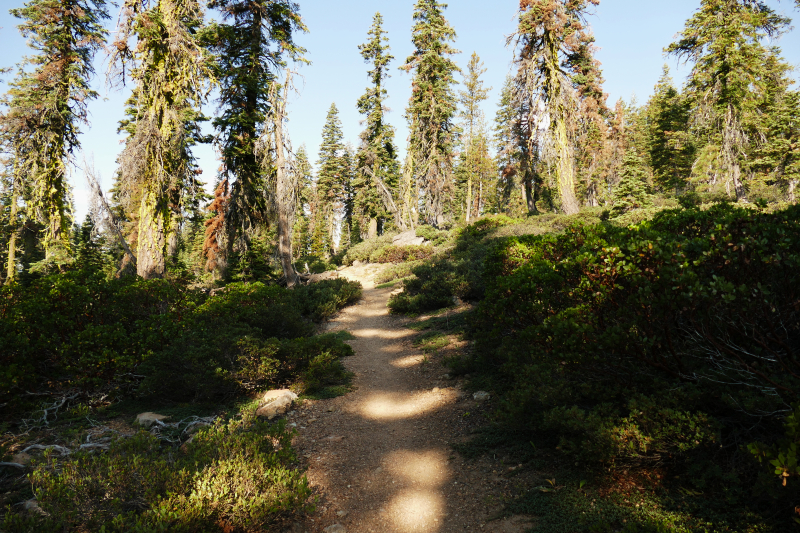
[(335, 528), (32, 506), (341, 514), (146, 420), (278, 403), (446, 377), (22, 459), (310, 420), (330, 409), (436, 389), (481, 396)]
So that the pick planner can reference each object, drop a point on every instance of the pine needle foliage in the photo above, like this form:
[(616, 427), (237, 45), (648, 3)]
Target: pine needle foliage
[(48, 102), (251, 45), (731, 71), (172, 72), (378, 171), (332, 181), (432, 108), (555, 70)]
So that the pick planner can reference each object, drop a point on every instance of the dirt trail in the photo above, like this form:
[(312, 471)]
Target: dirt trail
[(379, 458)]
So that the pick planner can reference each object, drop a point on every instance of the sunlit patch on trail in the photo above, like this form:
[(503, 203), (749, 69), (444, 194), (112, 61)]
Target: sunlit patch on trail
[(408, 362), (389, 406), (417, 511)]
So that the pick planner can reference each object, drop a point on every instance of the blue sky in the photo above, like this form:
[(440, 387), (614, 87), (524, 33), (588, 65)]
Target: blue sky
[(631, 35)]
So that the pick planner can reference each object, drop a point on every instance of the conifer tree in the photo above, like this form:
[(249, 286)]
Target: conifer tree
[(730, 71), (670, 144), (516, 165), (631, 192), (473, 160), (332, 177), (432, 108), (172, 71), (251, 45), (377, 173), (553, 44), (49, 103), (305, 203)]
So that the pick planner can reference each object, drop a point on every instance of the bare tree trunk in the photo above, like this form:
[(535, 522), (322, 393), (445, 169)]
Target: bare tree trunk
[(94, 184), (792, 187), (12, 241), (153, 214), (469, 199), (736, 173), (373, 228), (285, 190)]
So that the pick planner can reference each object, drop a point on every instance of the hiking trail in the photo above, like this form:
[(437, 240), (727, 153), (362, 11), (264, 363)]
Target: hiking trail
[(380, 459)]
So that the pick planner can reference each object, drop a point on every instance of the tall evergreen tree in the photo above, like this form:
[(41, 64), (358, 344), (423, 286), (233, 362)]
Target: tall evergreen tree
[(516, 162), (378, 173), (670, 144), (631, 192), (432, 108), (50, 101), (724, 41), (251, 45), (473, 158), (332, 177), (172, 71), (305, 203), (554, 51)]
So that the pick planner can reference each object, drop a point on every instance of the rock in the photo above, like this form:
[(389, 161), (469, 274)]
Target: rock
[(32, 506), (408, 238), (185, 446), (316, 278), (22, 459), (446, 377), (357, 263), (278, 402), (146, 420), (335, 528), (341, 514), (481, 396)]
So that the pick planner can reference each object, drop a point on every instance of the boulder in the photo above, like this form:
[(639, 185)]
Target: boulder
[(316, 278), (481, 396), (357, 263), (408, 238), (277, 403), (146, 420)]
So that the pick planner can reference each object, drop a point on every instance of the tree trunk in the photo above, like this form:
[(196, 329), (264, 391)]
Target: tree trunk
[(286, 207), (12, 241), (736, 174), (153, 215), (469, 199), (792, 187), (373, 228), (565, 170)]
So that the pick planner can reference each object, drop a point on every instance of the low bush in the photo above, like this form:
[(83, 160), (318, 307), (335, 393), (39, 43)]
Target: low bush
[(82, 331), (669, 345), (401, 254), (363, 250), (237, 475)]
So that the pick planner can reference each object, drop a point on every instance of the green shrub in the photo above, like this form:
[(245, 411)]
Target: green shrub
[(401, 254), (236, 475), (363, 250), (81, 330)]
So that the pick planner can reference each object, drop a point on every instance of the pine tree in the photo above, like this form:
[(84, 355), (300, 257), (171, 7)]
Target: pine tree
[(516, 165), (251, 44), (473, 158), (332, 177), (670, 144), (432, 108), (724, 42), (631, 192), (553, 42), (172, 73), (305, 203), (51, 100), (377, 173), (778, 158)]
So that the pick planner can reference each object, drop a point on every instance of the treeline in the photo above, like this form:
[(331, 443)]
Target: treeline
[(555, 145)]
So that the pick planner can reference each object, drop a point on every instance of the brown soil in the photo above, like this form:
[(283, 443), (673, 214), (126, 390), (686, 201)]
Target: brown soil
[(380, 458)]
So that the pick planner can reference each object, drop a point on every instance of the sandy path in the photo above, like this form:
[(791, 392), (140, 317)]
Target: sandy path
[(379, 458)]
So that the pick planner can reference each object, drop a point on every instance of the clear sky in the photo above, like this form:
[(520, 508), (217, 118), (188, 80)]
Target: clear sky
[(631, 35)]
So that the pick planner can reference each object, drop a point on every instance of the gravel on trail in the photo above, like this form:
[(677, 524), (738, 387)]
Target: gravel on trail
[(379, 459)]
